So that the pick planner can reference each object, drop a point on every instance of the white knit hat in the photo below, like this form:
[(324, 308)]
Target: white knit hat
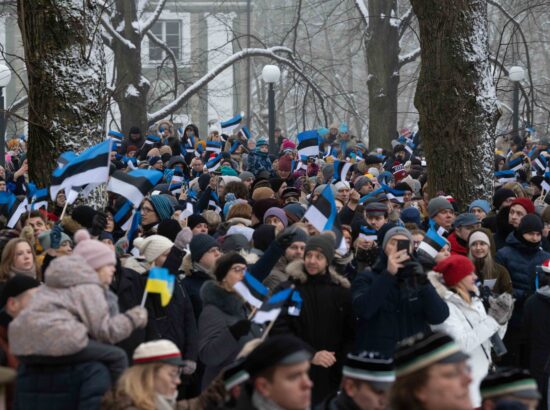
[(153, 246), (162, 350)]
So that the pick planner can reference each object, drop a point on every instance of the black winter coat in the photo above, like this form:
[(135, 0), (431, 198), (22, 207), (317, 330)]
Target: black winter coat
[(390, 309), (79, 386), (325, 322)]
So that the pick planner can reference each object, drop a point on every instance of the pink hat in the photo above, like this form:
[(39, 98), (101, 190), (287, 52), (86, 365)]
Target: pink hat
[(288, 144), (95, 253)]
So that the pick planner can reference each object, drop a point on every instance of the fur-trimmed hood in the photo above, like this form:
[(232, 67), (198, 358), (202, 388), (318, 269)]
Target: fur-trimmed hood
[(436, 279), (70, 225), (296, 270), (187, 264), (228, 302)]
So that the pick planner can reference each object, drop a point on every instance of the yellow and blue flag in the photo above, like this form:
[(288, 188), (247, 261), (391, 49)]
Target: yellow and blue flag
[(161, 281)]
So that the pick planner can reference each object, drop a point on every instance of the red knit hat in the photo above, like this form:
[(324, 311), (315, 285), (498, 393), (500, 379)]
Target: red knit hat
[(526, 203), (288, 144), (285, 163), (454, 269)]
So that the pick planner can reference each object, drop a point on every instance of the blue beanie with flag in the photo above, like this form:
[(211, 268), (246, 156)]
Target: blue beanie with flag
[(163, 207)]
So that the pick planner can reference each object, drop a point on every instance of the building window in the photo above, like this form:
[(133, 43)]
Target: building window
[(168, 31)]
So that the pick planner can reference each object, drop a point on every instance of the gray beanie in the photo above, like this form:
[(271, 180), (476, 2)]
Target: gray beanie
[(299, 234), (438, 204), (246, 175), (200, 244), (324, 243), (398, 230), (361, 182), (328, 172)]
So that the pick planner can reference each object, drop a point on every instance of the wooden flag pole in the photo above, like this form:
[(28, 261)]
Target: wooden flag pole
[(144, 298), (267, 330), (64, 209)]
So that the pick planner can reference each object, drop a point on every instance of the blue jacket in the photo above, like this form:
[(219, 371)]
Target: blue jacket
[(389, 310), (79, 386), (521, 261), (258, 162)]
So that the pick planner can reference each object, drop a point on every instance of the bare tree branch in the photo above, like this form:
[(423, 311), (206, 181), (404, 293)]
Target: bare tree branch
[(17, 104), (363, 10), (146, 25), (409, 58), (115, 34), (170, 54)]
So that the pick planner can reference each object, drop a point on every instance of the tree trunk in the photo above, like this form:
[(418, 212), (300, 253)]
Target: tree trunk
[(131, 87), (383, 65), (456, 98), (65, 62)]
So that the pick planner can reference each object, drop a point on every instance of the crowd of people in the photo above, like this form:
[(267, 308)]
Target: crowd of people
[(423, 304)]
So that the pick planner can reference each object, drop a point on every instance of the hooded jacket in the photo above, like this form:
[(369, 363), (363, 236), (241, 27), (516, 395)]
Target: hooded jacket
[(325, 321), (472, 328), (64, 313)]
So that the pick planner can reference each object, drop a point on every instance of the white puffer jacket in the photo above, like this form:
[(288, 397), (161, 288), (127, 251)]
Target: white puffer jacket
[(471, 327)]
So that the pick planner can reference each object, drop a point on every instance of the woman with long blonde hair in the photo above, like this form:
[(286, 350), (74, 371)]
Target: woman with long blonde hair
[(18, 258)]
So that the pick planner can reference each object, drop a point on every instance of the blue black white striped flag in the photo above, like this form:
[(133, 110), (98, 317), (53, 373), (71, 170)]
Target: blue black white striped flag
[(252, 290), (134, 185), (229, 126), (12, 207), (341, 169), (308, 143), (271, 308), (432, 243)]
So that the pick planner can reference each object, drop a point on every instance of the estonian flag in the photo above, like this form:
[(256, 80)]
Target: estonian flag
[(152, 139), (341, 169), (546, 182), (515, 164), (214, 163), (246, 132), (295, 305), (12, 207), (39, 199), (65, 158), (214, 202), (368, 234), (117, 136), (91, 165), (124, 214), (539, 165), (134, 185), (213, 147), (371, 195), (323, 215), (432, 243), (270, 309), (231, 124), (161, 281), (393, 193), (438, 229), (308, 143), (505, 176), (251, 290)]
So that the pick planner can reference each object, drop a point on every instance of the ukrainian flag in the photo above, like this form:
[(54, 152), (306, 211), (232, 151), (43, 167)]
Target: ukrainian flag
[(161, 281)]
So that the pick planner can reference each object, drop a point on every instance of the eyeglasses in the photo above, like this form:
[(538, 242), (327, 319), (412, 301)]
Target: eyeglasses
[(238, 268), (145, 209), (176, 374)]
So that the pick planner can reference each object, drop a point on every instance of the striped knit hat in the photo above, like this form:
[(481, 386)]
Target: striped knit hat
[(162, 350), (509, 382), (370, 367), (423, 350)]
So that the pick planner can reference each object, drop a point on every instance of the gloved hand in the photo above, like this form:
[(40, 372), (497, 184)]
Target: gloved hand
[(183, 238), (285, 238), (189, 367), (239, 329), (55, 236), (98, 224), (138, 316), (501, 308)]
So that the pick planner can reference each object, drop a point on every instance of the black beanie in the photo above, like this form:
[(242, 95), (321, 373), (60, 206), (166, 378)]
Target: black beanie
[(530, 223), (263, 236), (502, 195), (194, 220), (324, 243), (200, 244), (204, 180), (169, 228), (84, 215), (225, 262), (15, 286)]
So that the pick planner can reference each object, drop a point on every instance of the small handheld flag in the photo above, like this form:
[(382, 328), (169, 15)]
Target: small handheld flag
[(160, 281), (308, 143), (270, 309), (251, 290)]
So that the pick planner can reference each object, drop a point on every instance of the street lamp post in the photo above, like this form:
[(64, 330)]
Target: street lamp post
[(515, 74), (5, 77), (271, 75)]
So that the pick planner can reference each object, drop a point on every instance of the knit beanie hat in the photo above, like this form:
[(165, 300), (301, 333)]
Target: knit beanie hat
[(163, 351), (324, 243), (246, 175), (260, 142), (530, 223), (162, 206), (481, 204), (278, 213), (502, 195), (200, 244), (262, 193), (526, 203), (327, 171), (45, 243), (294, 211), (260, 207), (263, 236), (454, 269), (153, 152), (194, 220), (16, 285), (288, 145), (285, 163), (165, 149), (84, 215), (169, 228), (411, 215), (153, 246), (438, 204), (397, 230), (95, 253), (478, 236), (361, 182), (225, 262)]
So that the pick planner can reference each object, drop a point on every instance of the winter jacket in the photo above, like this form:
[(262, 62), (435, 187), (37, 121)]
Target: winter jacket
[(195, 277), (536, 329), (217, 346), (472, 328), (80, 386), (458, 245), (390, 309), (338, 401), (325, 322), (521, 261), (277, 275), (64, 313), (258, 162)]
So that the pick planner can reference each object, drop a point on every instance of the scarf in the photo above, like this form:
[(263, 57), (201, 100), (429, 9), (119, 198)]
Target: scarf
[(165, 402), (31, 272), (260, 402)]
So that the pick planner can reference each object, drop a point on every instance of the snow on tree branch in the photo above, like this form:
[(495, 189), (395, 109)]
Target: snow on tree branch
[(363, 10), (170, 53), (204, 80), (405, 21), (115, 34), (145, 26), (18, 103), (409, 57)]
